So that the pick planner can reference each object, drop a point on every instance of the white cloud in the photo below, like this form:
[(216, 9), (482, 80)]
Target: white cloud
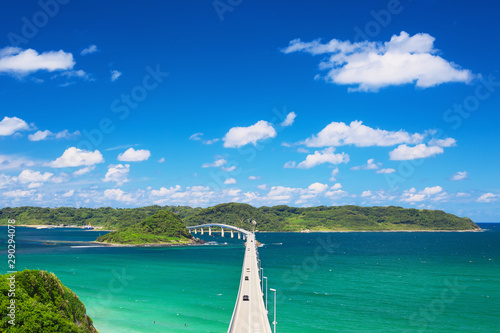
[(217, 163), (161, 160), (231, 192), (303, 150), (325, 156), (367, 193), (118, 195), (117, 173), (487, 197), (461, 175), (83, 171), (29, 176), (336, 186), (334, 174), (196, 136), (370, 165), (74, 157), (211, 141), (318, 187), (43, 135), (339, 134), (241, 136), (253, 177), (68, 194), (115, 75), (229, 169), (448, 142), (404, 152), (230, 181), (290, 165), (290, 118), (89, 50), (429, 193), (14, 162), (132, 155), (18, 193), (14, 60), (262, 187), (11, 125), (369, 66), (74, 74), (162, 192), (388, 170)]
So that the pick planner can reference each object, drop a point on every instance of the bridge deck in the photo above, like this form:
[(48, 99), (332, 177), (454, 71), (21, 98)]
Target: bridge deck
[(250, 316)]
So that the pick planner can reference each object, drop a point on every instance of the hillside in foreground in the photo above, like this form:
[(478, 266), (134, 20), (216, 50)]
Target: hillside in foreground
[(162, 227), (43, 305)]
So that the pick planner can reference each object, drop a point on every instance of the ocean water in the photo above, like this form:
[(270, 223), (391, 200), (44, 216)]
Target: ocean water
[(326, 282)]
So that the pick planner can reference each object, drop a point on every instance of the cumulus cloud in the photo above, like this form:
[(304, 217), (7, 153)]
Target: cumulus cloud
[(161, 160), (229, 169), (434, 193), (318, 187), (115, 75), (217, 163), (241, 136), (44, 135), (117, 173), (369, 66), (370, 165), (89, 50), (404, 152), (487, 198), (340, 134), (118, 195), (29, 176), (367, 193), (448, 142), (11, 125), (14, 60), (461, 175), (163, 191), (75, 157), (132, 155), (230, 181), (325, 156), (290, 118), (253, 177), (14, 162), (18, 193)]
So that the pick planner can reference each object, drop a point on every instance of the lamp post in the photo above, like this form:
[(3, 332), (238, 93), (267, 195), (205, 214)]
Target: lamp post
[(265, 277), (274, 322), (262, 280)]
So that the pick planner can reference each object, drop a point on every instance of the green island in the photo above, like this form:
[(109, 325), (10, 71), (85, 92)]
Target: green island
[(276, 218), (42, 305), (163, 228)]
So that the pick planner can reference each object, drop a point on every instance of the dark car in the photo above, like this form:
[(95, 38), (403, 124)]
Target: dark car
[(246, 298), (246, 277)]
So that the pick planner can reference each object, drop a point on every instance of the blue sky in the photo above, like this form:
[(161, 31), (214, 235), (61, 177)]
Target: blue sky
[(128, 104)]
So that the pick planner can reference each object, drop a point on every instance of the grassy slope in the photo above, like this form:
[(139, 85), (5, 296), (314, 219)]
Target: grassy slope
[(43, 305), (161, 227)]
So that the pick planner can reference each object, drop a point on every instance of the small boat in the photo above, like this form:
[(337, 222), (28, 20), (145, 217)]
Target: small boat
[(88, 227)]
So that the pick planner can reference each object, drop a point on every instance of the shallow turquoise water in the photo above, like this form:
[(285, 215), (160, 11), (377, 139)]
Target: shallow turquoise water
[(326, 282)]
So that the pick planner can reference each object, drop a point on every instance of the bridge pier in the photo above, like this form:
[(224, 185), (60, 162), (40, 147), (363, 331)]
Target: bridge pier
[(222, 232), (239, 235), (210, 231), (202, 231), (232, 233)]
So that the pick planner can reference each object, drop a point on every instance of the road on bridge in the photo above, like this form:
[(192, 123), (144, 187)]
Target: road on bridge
[(250, 315)]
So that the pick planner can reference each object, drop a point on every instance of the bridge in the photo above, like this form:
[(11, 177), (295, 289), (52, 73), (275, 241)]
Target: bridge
[(250, 312), (240, 232)]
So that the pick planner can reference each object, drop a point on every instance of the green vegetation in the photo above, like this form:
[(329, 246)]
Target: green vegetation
[(109, 218), (43, 305), (335, 218), (161, 227), (277, 218)]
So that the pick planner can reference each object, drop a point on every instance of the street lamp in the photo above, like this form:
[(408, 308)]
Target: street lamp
[(265, 277), (274, 322), (261, 280)]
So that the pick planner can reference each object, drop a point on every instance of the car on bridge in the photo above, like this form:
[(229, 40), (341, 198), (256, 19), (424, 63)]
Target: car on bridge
[(246, 277), (246, 298)]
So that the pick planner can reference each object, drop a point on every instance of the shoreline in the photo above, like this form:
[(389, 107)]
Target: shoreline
[(50, 226)]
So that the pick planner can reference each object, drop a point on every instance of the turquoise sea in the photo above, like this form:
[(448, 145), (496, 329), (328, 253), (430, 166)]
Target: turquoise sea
[(326, 282)]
